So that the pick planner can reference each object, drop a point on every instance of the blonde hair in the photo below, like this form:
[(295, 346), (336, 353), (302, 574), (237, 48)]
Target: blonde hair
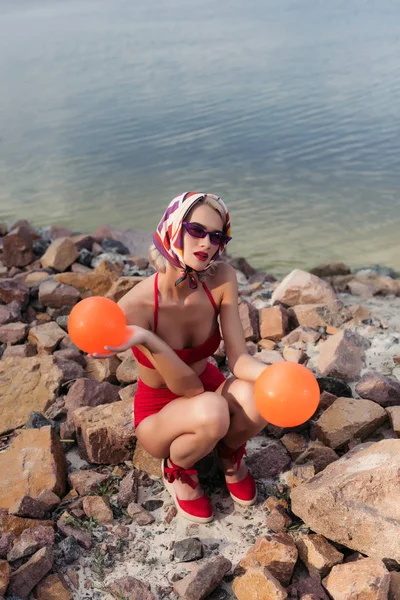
[(159, 262)]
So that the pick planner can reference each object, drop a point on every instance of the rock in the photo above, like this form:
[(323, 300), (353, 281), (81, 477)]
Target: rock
[(277, 553), (95, 506), (348, 419), (18, 248), (330, 269), (28, 507), (20, 351), (355, 500), (342, 356), (273, 502), (315, 316), (24, 579), (394, 416), (300, 287), (69, 548), (307, 335), (326, 400), (85, 482), (49, 500), (5, 572), (295, 353), (128, 488), (383, 390), (46, 337), (203, 579), (318, 555), (269, 357), (13, 333), (122, 286), (71, 370), (258, 584), (188, 550), (6, 543), (249, 318), (128, 371), (10, 313), (52, 587), (274, 323), (139, 514), (143, 461), (132, 588), (367, 578), (71, 354), (12, 290), (60, 254), (334, 386), (33, 462), (265, 344), (98, 282), (83, 538), (128, 392), (278, 520), (138, 242), (83, 240), (298, 474), (394, 586), (318, 454), (33, 381), (56, 295), (30, 541), (268, 462), (102, 369), (104, 433), (88, 392), (294, 443), (307, 589)]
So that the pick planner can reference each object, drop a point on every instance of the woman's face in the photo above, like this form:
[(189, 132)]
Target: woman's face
[(197, 252)]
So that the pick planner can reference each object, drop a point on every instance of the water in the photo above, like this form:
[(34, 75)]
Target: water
[(288, 110)]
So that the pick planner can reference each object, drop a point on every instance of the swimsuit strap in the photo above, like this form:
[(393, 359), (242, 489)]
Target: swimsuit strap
[(207, 291), (155, 302)]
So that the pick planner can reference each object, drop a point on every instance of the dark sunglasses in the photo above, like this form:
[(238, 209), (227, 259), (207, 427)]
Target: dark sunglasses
[(216, 237)]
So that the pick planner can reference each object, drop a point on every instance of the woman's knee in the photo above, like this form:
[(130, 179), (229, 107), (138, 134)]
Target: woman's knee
[(243, 391), (212, 414)]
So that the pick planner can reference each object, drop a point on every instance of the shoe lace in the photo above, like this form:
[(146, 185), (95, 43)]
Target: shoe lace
[(177, 472), (234, 455)]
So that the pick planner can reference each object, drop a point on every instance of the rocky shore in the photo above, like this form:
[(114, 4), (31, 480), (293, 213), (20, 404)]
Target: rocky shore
[(83, 512)]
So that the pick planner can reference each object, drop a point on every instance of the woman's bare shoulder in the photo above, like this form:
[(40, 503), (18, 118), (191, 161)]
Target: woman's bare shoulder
[(138, 303), (222, 274)]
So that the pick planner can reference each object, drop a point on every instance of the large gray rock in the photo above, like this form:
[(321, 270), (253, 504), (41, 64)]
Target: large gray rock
[(355, 501), (300, 287)]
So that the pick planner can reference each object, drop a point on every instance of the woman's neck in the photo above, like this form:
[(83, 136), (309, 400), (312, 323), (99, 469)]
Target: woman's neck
[(167, 287)]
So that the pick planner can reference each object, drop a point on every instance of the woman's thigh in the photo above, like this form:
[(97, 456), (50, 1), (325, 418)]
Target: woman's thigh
[(206, 413)]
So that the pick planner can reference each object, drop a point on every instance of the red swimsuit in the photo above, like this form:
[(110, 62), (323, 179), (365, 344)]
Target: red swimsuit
[(149, 400)]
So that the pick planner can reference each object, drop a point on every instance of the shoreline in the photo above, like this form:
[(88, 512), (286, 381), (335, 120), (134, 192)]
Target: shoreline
[(109, 529)]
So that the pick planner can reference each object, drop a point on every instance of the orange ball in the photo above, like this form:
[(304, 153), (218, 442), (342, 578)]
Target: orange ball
[(286, 394), (97, 322)]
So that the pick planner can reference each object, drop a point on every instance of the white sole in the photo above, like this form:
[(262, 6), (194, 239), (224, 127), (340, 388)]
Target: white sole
[(170, 489), (243, 502)]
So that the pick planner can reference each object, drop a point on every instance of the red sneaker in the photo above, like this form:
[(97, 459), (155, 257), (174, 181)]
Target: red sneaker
[(243, 492), (198, 510)]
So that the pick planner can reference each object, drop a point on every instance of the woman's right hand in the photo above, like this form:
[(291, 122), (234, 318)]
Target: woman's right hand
[(137, 336)]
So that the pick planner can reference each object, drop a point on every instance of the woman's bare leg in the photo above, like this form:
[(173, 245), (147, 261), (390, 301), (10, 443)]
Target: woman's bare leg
[(186, 429), (245, 422)]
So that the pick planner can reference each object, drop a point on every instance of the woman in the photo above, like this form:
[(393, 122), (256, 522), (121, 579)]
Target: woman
[(184, 407)]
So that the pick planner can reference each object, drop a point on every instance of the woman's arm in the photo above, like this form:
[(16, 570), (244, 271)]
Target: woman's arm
[(241, 364), (178, 376)]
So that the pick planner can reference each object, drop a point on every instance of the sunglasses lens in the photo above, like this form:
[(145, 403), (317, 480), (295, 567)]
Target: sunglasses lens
[(195, 231), (216, 239)]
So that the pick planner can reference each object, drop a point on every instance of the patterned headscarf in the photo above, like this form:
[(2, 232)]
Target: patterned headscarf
[(168, 237)]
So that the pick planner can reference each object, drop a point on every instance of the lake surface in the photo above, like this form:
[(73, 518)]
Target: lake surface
[(290, 111)]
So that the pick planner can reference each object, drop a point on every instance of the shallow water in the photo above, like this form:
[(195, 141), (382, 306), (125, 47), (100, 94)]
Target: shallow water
[(289, 111)]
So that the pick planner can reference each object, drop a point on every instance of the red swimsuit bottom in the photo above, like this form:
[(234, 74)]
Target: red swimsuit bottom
[(149, 400)]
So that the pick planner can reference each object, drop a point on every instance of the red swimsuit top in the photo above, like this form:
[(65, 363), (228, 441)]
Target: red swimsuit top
[(188, 355)]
